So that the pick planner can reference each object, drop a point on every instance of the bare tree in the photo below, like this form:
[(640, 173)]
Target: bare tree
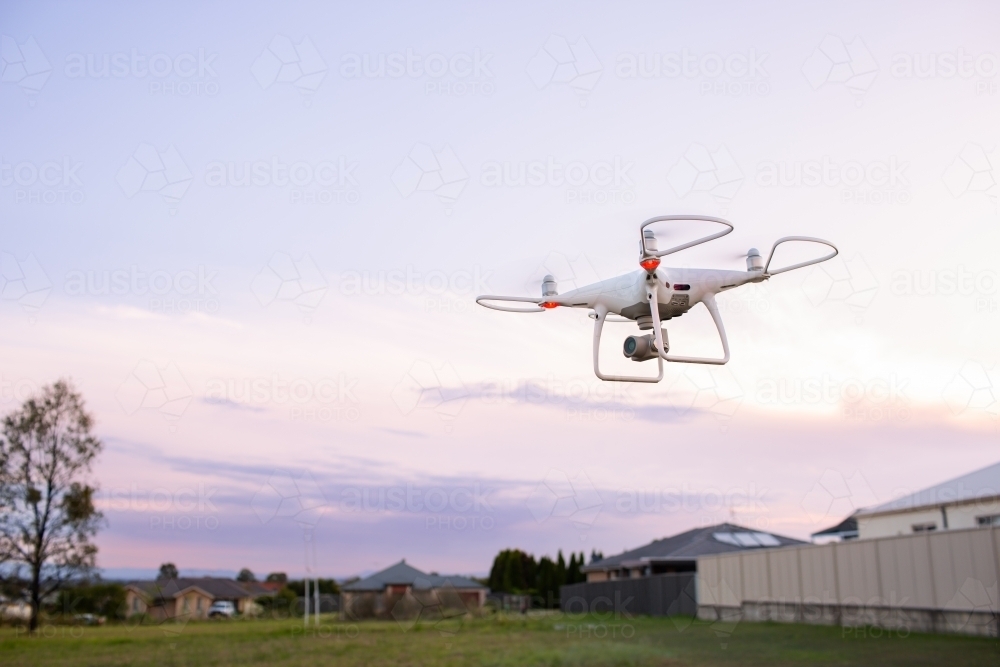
[(47, 513)]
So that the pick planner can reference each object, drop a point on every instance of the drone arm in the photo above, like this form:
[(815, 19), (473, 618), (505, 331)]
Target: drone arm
[(800, 264), (601, 312), (683, 246), (713, 309), (511, 309)]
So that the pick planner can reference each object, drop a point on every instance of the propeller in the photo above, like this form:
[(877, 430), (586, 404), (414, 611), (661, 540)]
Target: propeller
[(752, 257)]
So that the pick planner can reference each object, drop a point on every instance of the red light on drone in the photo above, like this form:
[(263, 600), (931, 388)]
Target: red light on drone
[(548, 304), (650, 263)]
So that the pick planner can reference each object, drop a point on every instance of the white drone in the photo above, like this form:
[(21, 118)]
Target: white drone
[(674, 291)]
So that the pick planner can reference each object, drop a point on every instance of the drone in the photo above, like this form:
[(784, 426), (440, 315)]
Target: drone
[(674, 291)]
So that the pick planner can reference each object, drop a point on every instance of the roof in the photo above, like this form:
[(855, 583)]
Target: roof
[(216, 588), (847, 527), (983, 483), (687, 546), (402, 574)]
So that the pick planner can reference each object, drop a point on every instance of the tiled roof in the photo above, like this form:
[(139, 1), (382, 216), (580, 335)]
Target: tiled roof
[(721, 538), (217, 588), (402, 574)]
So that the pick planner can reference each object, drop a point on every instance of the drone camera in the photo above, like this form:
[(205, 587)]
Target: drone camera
[(643, 348)]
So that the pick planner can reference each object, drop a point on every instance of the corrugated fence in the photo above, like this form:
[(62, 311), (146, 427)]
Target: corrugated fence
[(658, 595), (932, 582)]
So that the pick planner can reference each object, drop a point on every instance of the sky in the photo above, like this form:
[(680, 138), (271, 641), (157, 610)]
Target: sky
[(252, 235)]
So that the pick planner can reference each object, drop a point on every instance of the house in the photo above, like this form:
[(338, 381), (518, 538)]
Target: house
[(14, 610), (402, 589), (679, 553), (843, 531), (969, 501), (189, 598)]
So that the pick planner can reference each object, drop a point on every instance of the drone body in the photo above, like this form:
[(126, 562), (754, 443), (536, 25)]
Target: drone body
[(674, 291)]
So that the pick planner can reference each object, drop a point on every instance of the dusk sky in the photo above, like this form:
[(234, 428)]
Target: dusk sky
[(253, 236)]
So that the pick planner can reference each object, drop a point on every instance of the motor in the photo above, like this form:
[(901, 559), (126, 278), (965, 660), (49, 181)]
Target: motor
[(643, 348)]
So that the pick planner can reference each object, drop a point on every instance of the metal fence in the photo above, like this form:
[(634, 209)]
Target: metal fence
[(943, 581), (657, 595)]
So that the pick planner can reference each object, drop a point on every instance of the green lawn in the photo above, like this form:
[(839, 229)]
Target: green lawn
[(500, 640)]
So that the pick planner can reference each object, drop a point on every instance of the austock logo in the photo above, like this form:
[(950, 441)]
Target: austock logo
[(184, 75), (850, 282), (836, 62), (713, 172), (981, 67), (975, 171), (600, 182), (324, 182), (427, 170), (151, 387), (442, 606), (151, 171), (287, 495), (23, 64), (560, 496), (875, 398), (425, 387), (974, 388), (23, 281), (560, 62), (733, 74), (835, 496), (714, 391), (458, 74), (323, 399), (284, 278), (167, 291), (284, 61), (49, 182), (872, 182)]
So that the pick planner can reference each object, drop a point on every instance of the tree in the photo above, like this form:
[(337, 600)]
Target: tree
[(513, 571), (47, 513), (245, 576), (573, 574), (102, 599), (547, 583), (277, 577), (167, 571)]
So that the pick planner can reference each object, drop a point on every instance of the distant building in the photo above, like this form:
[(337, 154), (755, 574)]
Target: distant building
[(843, 531), (403, 590), (969, 501), (679, 553), (189, 597)]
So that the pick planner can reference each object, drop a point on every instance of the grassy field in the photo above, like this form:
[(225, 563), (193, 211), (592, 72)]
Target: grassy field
[(551, 640)]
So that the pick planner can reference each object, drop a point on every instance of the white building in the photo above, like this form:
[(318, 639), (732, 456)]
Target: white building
[(969, 501)]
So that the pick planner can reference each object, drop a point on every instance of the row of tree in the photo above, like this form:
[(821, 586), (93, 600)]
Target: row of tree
[(515, 571)]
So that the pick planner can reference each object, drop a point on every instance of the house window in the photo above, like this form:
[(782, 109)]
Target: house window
[(924, 527), (135, 604), (990, 520), (199, 604)]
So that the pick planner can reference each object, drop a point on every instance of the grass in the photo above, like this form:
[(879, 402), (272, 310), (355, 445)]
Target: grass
[(498, 640)]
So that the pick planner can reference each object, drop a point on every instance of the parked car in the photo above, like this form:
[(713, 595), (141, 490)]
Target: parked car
[(222, 609), (89, 619)]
